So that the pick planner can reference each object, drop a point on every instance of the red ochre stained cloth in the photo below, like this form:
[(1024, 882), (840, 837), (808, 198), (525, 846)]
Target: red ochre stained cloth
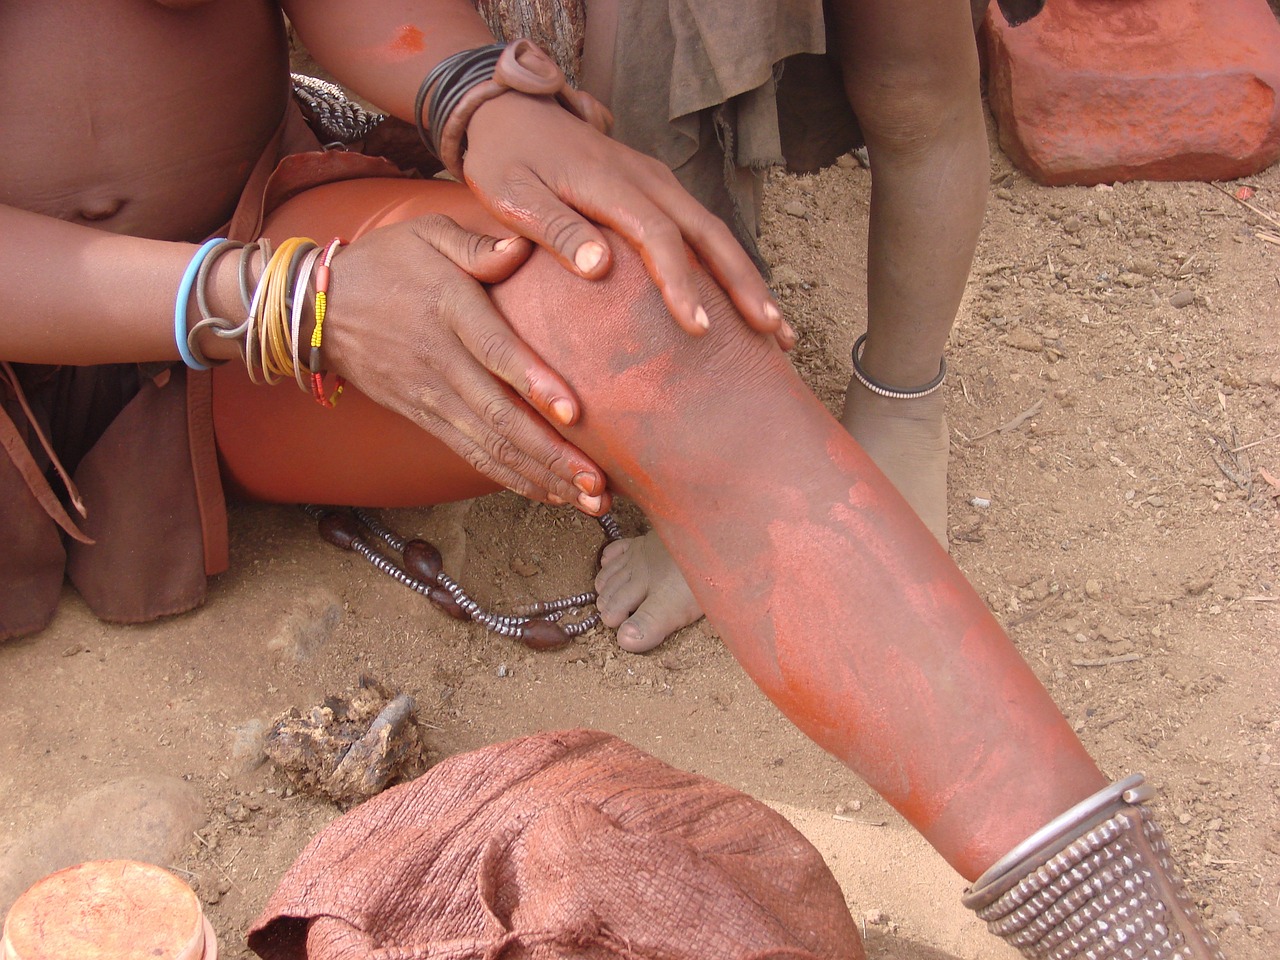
[(569, 844)]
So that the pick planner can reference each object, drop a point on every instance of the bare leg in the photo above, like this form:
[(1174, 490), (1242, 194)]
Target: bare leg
[(846, 611), (836, 599), (911, 74)]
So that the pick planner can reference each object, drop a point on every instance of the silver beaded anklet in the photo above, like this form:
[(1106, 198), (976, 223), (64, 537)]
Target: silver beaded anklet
[(890, 392)]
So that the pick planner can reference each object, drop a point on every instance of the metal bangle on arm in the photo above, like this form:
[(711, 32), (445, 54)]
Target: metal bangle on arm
[(459, 85)]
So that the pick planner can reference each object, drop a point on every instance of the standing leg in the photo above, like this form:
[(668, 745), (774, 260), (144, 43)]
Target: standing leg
[(911, 74)]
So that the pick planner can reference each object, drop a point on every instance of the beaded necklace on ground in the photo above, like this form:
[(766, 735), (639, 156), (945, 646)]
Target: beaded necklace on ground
[(419, 567)]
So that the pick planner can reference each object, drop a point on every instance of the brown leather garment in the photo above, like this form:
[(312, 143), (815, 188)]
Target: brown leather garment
[(568, 844)]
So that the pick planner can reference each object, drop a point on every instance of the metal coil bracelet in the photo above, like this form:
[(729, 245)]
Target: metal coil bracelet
[(418, 565)]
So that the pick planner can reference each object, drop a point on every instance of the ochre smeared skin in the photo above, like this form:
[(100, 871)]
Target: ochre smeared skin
[(834, 597)]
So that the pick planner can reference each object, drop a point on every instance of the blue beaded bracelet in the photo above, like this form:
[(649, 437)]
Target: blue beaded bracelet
[(184, 299)]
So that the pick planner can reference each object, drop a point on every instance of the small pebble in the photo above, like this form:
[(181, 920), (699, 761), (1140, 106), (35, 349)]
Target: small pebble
[(504, 670), (796, 209), (1024, 340), (1093, 589), (1182, 298)]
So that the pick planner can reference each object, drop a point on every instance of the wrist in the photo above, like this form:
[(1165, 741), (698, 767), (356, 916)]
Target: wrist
[(223, 294), (460, 85)]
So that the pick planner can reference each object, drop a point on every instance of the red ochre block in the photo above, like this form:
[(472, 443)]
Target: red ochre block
[(1095, 91)]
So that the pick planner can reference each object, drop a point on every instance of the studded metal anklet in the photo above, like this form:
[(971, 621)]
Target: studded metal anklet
[(420, 568), (1097, 883)]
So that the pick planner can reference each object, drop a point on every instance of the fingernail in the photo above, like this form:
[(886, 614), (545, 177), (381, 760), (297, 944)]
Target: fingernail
[(584, 481), (590, 504), (588, 256), (700, 318), (555, 501), (562, 410), (504, 244), (772, 312), (788, 333)]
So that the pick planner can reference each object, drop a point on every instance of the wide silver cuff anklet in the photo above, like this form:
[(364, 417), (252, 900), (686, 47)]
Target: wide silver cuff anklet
[(1097, 883), (876, 387)]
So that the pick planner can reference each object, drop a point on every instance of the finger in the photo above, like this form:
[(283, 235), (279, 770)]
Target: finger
[(732, 268), (645, 203), (531, 207), (662, 248), (487, 259), (513, 435), (660, 242), (472, 451), (648, 227), (490, 339)]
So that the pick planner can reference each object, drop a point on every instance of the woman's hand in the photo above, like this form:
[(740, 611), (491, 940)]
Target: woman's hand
[(547, 174), (410, 325)]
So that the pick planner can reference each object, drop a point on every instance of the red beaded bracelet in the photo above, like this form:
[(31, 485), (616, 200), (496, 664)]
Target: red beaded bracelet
[(322, 275)]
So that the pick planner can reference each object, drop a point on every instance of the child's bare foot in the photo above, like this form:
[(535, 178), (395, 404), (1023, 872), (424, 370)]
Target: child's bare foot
[(642, 593), (909, 442)]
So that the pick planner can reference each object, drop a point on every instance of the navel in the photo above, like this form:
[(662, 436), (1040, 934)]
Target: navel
[(100, 208)]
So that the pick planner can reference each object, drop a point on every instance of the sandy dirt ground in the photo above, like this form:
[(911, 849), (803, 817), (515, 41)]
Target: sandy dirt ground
[(1113, 402)]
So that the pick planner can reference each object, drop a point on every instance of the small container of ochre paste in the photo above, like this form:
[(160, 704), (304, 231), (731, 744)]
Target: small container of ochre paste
[(108, 910)]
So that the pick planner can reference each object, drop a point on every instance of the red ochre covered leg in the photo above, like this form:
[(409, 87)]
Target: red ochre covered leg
[(835, 598), (278, 445), (824, 584)]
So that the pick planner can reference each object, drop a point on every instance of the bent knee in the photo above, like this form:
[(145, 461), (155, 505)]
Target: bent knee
[(618, 330)]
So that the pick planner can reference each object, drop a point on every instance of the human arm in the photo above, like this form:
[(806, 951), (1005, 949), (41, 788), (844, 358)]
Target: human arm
[(539, 170), (77, 295)]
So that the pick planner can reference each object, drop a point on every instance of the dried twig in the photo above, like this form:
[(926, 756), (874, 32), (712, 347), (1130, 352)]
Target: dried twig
[(1274, 436), (1237, 473), (1107, 661), (1027, 617), (870, 823), (1246, 204), (1016, 422)]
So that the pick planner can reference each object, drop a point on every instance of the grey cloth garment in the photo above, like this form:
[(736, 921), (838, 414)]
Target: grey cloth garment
[(720, 92), (696, 86)]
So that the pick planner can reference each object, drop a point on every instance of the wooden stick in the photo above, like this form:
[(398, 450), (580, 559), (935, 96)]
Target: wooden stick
[(1274, 436), (1245, 203), (1107, 661), (1017, 421)]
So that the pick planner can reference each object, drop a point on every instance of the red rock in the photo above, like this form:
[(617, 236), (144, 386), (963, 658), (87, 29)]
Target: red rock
[(1095, 91)]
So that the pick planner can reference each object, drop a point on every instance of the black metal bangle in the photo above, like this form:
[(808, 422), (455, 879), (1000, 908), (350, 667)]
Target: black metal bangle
[(447, 83)]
